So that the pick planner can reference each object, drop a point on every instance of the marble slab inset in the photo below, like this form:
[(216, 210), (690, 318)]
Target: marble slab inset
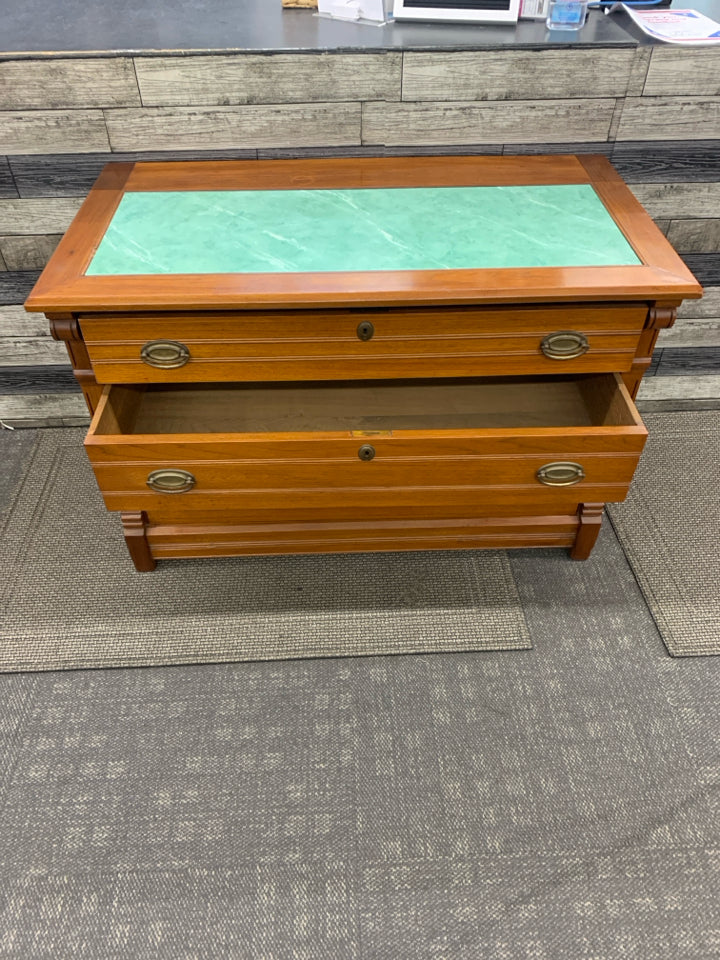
[(419, 228)]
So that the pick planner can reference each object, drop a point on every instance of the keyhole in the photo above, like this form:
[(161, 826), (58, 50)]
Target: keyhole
[(365, 330)]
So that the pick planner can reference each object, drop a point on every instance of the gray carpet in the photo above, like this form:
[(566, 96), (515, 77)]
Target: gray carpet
[(669, 528), (560, 804), (72, 599)]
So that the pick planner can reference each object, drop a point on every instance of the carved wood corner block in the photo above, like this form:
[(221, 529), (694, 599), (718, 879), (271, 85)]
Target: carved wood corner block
[(661, 317), (64, 326), (135, 530)]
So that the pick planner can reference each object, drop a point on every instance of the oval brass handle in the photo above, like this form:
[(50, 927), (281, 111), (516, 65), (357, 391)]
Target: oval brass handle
[(165, 354), (171, 481), (365, 330), (366, 452), (564, 345), (560, 474)]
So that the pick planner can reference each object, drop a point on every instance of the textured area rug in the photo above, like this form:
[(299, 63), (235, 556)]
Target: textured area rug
[(669, 528), (71, 598)]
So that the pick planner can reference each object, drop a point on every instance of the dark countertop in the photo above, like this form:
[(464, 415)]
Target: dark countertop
[(96, 27), (52, 28)]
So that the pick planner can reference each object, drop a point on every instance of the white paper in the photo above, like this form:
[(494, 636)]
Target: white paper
[(353, 9), (676, 26)]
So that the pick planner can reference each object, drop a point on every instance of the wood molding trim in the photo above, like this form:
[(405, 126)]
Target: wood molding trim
[(590, 520), (135, 530)]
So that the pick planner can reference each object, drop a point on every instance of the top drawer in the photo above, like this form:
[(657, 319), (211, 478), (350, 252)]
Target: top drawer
[(363, 344)]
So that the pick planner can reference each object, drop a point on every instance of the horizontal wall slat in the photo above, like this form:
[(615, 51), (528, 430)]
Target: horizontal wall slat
[(26, 379), (47, 216), (7, 183), (708, 306), (291, 153), (53, 407), (16, 322), (516, 74), (695, 236), (3, 265), (678, 71), (62, 84), (685, 388), (537, 149), (667, 161), (15, 286), (688, 361), (28, 253), (31, 351), (670, 118), (691, 333), (53, 131), (165, 128), (679, 200), (72, 175), (705, 266), (277, 78), (501, 121)]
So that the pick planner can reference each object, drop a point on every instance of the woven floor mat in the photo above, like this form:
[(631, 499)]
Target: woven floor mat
[(669, 528), (71, 598)]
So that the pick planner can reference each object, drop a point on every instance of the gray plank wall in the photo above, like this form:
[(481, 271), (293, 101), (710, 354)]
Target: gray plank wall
[(654, 111)]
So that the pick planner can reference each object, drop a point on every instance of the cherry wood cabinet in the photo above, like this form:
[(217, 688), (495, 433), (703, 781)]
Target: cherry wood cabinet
[(378, 354)]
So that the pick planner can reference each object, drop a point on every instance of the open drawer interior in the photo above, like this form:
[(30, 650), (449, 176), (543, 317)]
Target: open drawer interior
[(512, 402)]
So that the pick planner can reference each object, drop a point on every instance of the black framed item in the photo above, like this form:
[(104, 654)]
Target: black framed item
[(462, 11)]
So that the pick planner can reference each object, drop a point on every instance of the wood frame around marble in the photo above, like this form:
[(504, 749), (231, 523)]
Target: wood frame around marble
[(63, 286)]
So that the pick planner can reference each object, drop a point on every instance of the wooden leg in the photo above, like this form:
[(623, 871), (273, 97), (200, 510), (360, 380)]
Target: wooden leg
[(588, 530), (135, 537)]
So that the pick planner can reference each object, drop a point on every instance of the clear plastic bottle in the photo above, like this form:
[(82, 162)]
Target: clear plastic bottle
[(566, 14)]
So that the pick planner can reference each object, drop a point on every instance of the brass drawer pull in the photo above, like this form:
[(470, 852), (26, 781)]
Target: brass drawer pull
[(564, 345), (366, 452), (560, 474), (171, 481), (166, 354), (365, 330)]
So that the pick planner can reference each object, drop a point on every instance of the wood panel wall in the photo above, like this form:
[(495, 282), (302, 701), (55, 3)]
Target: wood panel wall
[(655, 111)]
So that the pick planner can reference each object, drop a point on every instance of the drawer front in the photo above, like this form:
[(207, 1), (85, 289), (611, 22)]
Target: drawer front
[(366, 474), (364, 344)]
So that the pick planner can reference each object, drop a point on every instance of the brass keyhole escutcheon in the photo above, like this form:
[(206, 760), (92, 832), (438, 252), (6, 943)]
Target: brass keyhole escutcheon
[(560, 474), (171, 480), (366, 452), (165, 354), (564, 345), (365, 330)]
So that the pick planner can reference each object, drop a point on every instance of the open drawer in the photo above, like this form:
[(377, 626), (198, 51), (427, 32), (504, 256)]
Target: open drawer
[(365, 450)]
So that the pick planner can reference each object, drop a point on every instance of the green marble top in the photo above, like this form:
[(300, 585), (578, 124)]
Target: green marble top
[(298, 231)]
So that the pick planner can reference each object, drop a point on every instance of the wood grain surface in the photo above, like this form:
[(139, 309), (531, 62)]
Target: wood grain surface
[(28, 252), (499, 121), (278, 78), (64, 287), (675, 71), (515, 74), (265, 125), (405, 343), (72, 83), (50, 215), (670, 118), (53, 131)]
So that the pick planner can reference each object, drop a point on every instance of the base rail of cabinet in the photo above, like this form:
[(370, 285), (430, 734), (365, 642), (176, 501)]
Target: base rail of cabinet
[(149, 542)]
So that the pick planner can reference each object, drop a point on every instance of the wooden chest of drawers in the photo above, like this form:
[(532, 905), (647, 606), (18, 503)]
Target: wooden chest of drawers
[(422, 364)]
